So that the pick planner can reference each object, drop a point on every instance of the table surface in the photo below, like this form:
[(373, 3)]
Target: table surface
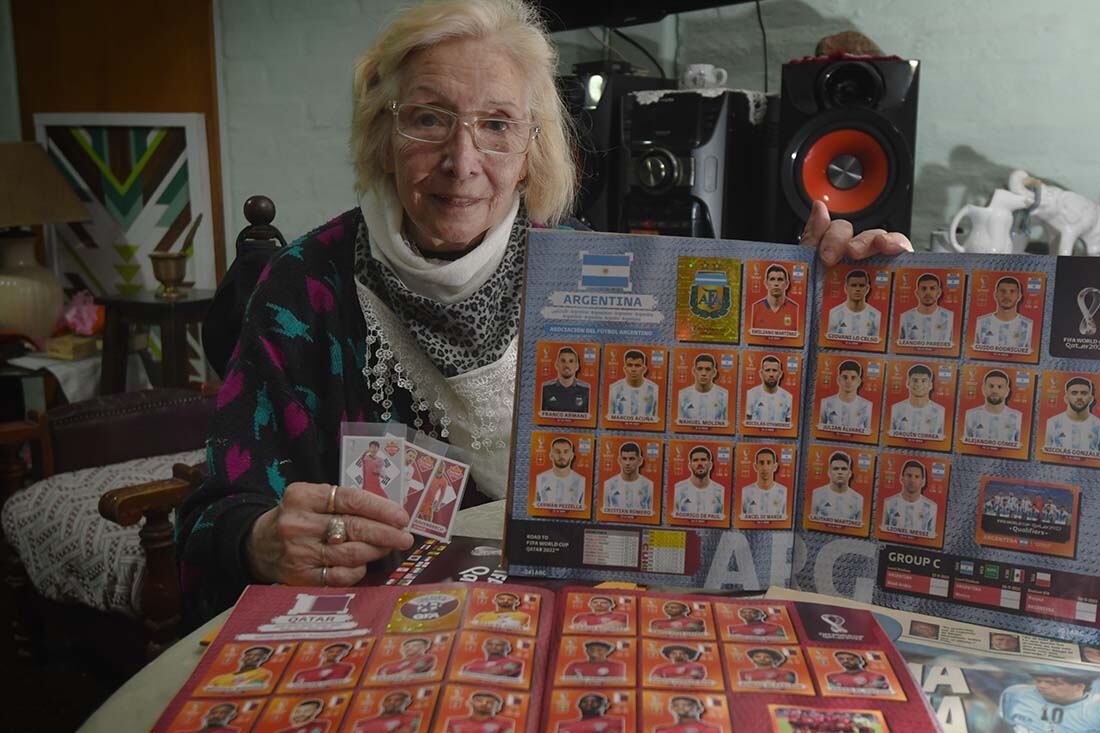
[(137, 704), (149, 296)]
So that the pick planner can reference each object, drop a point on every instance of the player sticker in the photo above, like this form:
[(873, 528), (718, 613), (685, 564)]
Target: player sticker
[(768, 668), (246, 669), (855, 306), (912, 505), (995, 404), (418, 658), (420, 465), (1028, 516), (764, 486), (560, 482), (216, 715), (848, 398), (503, 610), (372, 462), (629, 480), (405, 709), (585, 661), (698, 491), (1069, 430), (633, 387), (685, 665), (854, 673), (775, 296), (583, 711), (493, 658), (676, 618), (927, 311), (427, 610), (326, 665), (1006, 315), (437, 509), (467, 708), (704, 387), (708, 299), (304, 713), (754, 622), (920, 404), (843, 481), (769, 404), (566, 383), (664, 711), (797, 719), (601, 614)]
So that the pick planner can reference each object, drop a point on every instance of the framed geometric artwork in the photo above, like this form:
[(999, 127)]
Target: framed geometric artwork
[(145, 179)]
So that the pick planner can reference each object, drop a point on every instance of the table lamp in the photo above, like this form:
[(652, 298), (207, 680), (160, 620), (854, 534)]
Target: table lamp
[(32, 193)]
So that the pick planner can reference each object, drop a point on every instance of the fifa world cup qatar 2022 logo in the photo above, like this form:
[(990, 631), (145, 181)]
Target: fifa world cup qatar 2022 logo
[(1088, 301)]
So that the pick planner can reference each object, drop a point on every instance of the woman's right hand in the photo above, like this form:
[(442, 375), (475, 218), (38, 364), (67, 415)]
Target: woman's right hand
[(289, 544)]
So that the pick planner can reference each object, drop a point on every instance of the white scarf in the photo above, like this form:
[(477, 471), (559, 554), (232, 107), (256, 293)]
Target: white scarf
[(447, 281)]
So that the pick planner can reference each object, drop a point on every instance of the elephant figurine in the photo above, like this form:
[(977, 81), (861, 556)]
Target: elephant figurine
[(1071, 214)]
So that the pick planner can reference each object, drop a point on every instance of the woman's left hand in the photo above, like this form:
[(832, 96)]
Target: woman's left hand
[(834, 239)]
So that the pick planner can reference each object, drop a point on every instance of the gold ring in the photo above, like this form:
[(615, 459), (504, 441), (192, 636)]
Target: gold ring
[(324, 560), (332, 500), (336, 531), (324, 575)]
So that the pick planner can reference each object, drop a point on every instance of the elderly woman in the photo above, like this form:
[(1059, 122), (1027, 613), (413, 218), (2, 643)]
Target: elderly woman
[(405, 309)]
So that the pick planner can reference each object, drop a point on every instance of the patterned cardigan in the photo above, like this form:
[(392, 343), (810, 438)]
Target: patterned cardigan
[(296, 374)]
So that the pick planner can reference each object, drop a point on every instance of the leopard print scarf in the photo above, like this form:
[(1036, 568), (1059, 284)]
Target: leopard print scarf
[(457, 337)]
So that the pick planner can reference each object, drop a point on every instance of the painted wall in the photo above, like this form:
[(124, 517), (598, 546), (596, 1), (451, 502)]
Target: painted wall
[(9, 93), (1003, 85)]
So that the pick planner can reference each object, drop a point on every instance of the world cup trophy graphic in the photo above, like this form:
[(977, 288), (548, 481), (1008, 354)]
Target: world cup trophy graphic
[(1088, 301)]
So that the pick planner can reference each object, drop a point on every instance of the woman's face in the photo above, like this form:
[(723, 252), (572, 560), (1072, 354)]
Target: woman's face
[(452, 193)]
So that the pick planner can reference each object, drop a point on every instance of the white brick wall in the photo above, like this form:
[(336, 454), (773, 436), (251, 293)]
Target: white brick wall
[(1002, 85), (285, 70)]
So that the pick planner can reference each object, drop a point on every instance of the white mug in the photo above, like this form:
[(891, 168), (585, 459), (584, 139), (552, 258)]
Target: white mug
[(702, 76)]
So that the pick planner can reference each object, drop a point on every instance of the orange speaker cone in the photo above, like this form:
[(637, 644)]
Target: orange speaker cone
[(839, 145)]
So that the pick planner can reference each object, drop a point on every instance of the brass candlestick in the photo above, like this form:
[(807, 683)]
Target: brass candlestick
[(169, 268)]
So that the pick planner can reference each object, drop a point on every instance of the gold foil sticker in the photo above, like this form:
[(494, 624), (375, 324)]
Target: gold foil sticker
[(708, 299), (432, 610)]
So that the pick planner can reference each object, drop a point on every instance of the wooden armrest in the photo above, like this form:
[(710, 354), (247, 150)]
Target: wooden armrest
[(20, 431), (128, 504), (154, 501)]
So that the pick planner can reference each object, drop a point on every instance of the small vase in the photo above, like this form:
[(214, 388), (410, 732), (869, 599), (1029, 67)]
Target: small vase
[(30, 297)]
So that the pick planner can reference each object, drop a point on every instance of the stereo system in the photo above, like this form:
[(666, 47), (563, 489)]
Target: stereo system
[(695, 163), (848, 129), (739, 165), (593, 97)]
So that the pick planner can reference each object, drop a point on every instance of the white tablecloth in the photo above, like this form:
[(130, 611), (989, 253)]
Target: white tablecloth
[(79, 379)]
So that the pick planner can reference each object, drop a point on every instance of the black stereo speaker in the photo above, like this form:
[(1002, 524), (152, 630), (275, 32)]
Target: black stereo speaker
[(695, 163), (847, 130), (593, 96)]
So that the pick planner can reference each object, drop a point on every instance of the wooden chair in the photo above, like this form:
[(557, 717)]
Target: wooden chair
[(113, 429), (103, 432)]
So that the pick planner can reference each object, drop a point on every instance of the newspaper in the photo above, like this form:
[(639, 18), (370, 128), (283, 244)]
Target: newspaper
[(975, 677)]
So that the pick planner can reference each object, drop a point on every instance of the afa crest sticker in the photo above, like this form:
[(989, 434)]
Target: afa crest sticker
[(710, 294), (708, 299)]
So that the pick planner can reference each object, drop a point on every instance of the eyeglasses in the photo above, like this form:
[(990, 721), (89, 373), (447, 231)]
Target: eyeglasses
[(494, 135)]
